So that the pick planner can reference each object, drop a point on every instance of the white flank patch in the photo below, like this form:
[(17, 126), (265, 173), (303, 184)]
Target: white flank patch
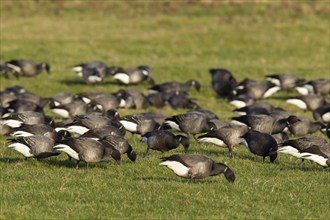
[(56, 103), (238, 123), (173, 125), (145, 72), (302, 90), (123, 77), (15, 68), (21, 148), (290, 150), (239, 87), (297, 102), (151, 91), (68, 150), (271, 91), (61, 112), (12, 123), (122, 103), (99, 107), (309, 88), (94, 79), (77, 129), (21, 134), (215, 141), (59, 129), (178, 168), (129, 126), (238, 103), (316, 158), (326, 117), (239, 113), (77, 69), (86, 100), (274, 80)]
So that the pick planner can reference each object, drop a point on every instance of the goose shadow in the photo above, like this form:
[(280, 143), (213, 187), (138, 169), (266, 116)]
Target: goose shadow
[(72, 164), (78, 81), (11, 160), (176, 180)]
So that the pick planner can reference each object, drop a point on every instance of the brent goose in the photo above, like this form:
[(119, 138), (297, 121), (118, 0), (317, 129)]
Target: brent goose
[(62, 98), (99, 133), (307, 102), (174, 86), (194, 166), (260, 144), (284, 80), (163, 140), (29, 117), (37, 146), (302, 126), (320, 154), (318, 86), (87, 150), (22, 67), (228, 136), (92, 72), (322, 114), (72, 109), (256, 90), (132, 75), (190, 123), (139, 123), (120, 144), (295, 147)]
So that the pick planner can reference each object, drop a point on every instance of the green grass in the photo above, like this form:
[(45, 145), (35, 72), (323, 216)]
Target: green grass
[(180, 41)]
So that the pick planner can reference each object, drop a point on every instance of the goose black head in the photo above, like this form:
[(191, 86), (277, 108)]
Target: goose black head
[(184, 141)]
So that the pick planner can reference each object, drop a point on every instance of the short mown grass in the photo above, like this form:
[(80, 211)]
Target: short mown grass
[(180, 41)]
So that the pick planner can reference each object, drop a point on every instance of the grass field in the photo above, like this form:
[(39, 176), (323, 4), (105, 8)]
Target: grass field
[(180, 41)]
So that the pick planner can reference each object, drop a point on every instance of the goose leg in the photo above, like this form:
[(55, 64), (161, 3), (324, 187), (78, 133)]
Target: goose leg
[(77, 165)]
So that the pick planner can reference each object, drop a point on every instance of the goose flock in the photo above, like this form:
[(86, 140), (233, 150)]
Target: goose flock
[(89, 128)]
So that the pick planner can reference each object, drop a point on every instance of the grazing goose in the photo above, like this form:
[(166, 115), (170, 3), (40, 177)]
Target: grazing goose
[(92, 72), (15, 120), (240, 101), (256, 108), (263, 123), (120, 144), (284, 80), (37, 146), (100, 133), (260, 144), (181, 100), (35, 129), (223, 82), (83, 123), (104, 103), (228, 136), (163, 140), (320, 154), (322, 114), (133, 75), (174, 86), (307, 102), (302, 126), (87, 97), (194, 166), (190, 123), (296, 146), (256, 90), (61, 99), (71, 109), (139, 123), (28, 68), (4, 69), (87, 150), (133, 99), (318, 87)]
